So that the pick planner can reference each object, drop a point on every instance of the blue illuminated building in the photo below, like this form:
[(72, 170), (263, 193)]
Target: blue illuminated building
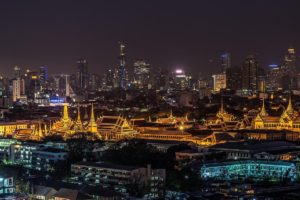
[(249, 169)]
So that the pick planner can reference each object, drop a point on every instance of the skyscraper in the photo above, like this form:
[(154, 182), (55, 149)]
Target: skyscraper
[(142, 74), (122, 67), (82, 74), (289, 64), (225, 62), (249, 74), (17, 72), (219, 82), (43, 75), (18, 89), (233, 78)]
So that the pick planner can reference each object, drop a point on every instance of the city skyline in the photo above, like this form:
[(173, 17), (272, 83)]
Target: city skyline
[(189, 36)]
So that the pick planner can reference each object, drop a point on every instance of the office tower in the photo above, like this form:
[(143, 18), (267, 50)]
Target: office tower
[(82, 74), (274, 77), (17, 72), (289, 70), (180, 80), (109, 81), (18, 89), (33, 84), (142, 74), (289, 64), (162, 79), (122, 74), (43, 76), (94, 82), (225, 62), (234, 78), (4, 84), (249, 74), (219, 82)]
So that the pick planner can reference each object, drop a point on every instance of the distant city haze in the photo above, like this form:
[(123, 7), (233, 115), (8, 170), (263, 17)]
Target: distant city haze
[(190, 35)]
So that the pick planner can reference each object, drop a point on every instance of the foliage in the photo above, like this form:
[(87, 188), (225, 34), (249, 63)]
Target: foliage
[(136, 153)]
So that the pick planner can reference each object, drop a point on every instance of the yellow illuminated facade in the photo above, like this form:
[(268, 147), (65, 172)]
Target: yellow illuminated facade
[(67, 127), (289, 119)]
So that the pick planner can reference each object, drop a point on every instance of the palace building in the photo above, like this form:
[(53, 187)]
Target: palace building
[(223, 121), (172, 119), (289, 119), (115, 128)]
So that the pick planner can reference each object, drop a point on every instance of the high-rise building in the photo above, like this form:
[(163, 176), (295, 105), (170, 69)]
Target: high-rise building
[(17, 72), (219, 82), (142, 74), (289, 64), (274, 77), (289, 70), (180, 80), (225, 62), (43, 76), (234, 78), (109, 79), (4, 85), (18, 90), (82, 74), (249, 74), (122, 73), (94, 82), (162, 79)]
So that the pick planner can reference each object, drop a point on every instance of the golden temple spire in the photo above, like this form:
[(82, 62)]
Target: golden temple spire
[(78, 123), (65, 112), (78, 113), (222, 107), (186, 117), (171, 114), (263, 111), (290, 108), (40, 132), (92, 124)]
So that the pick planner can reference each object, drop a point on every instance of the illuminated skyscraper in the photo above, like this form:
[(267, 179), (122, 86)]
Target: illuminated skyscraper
[(225, 62), (82, 74), (122, 69), (219, 82), (17, 72), (43, 75), (142, 74), (249, 74), (180, 80), (18, 89), (289, 64)]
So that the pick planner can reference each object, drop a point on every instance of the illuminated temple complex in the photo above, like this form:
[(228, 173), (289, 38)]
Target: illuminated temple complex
[(67, 127), (115, 128), (223, 121), (172, 119), (289, 119)]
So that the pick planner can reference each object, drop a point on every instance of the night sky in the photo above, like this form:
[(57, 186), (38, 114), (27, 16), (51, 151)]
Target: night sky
[(190, 34)]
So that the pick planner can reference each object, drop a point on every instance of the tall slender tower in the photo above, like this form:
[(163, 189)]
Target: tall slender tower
[(122, 68), (82, 74)]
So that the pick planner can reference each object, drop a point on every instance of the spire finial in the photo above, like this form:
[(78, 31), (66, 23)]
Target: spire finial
[(92, 113), (65, 112), (289, 108), (78, 113), (263, 111)]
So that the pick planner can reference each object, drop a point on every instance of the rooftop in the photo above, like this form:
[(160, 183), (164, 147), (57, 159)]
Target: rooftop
[(107, 165)]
